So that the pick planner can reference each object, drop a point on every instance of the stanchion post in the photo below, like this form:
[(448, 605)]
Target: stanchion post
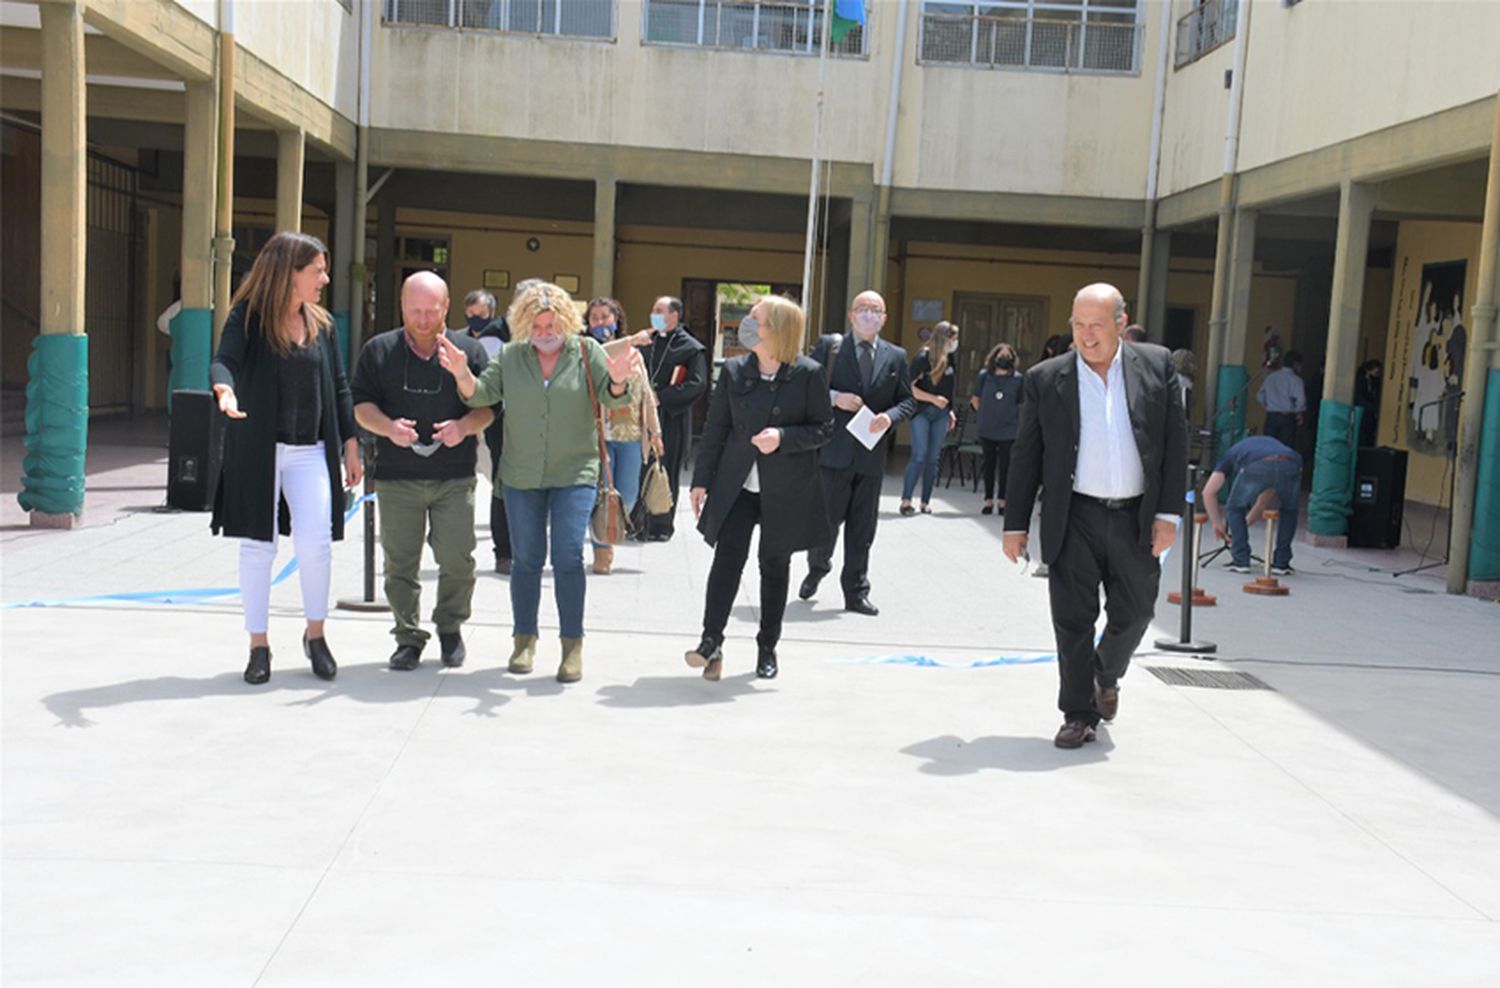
[(368, 602), (1184, 642)]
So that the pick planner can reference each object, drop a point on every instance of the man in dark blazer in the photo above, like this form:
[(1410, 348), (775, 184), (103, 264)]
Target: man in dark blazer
[(866, 371), (1103, 435)]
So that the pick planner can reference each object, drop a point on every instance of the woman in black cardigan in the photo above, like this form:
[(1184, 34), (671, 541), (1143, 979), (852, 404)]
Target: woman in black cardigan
[(758, 464), (279, 379)]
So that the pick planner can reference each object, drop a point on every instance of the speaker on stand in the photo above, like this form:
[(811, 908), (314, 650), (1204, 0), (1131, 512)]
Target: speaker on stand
[(195, 451)]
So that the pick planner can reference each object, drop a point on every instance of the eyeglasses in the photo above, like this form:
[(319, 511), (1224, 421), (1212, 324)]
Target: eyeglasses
[(406, 377), (864, 311)]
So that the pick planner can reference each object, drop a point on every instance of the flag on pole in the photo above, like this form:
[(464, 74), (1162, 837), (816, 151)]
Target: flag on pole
[(847, 15)]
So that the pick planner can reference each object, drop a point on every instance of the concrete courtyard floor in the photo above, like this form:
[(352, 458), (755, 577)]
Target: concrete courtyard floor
[(867, 818)]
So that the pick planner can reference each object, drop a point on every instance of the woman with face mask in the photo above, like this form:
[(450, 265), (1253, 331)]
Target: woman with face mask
[(632, 431), (550, 464), (758, 465), (933, 376), (997, 397)]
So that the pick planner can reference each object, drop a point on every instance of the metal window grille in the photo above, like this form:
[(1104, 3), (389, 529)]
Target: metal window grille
[(793, 27), (564, 18), (1207, 26), (1067, 35)]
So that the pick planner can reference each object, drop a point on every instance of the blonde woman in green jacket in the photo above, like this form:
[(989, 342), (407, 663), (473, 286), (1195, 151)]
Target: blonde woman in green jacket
[(550, 462)]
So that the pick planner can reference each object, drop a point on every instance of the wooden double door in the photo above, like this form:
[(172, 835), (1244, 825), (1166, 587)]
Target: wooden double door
[(986, 320)]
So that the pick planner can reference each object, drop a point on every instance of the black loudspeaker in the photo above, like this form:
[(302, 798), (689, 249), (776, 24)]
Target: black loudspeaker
[(1379, 498), (195, 451)]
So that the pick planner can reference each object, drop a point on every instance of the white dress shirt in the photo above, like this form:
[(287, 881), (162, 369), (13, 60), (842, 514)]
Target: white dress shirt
[(1109, 463)]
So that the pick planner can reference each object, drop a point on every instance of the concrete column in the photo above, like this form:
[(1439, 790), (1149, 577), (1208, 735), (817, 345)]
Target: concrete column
[(1474, 542), (57, 407), (341, 264), (387, 312), (192, 330), (1241, 276), (291, 149), (603, 281), (1218, 316), (1338, 429), (861, 216), (1156, 286), (880, 239)]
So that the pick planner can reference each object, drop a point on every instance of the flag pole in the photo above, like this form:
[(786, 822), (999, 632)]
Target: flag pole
[(812, 192)]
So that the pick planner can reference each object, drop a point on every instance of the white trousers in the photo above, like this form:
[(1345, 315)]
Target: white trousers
[(302, 476)]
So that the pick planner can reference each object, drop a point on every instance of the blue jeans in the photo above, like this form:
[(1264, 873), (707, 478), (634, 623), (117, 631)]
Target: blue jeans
[(928, 427), (529, 512), (625, 468), (1285, 478)]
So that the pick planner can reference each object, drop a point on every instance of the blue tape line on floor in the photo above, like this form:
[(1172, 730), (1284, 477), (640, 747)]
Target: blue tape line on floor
[(190, 595), (930, 663)]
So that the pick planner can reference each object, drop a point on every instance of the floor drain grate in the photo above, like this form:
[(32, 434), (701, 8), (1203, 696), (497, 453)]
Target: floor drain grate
[(1209, 679)]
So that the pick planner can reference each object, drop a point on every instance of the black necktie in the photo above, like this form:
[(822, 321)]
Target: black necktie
[(866, 362)]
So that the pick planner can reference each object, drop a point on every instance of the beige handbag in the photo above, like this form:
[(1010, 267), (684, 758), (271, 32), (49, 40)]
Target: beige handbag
[(656, 488), (609, 523)]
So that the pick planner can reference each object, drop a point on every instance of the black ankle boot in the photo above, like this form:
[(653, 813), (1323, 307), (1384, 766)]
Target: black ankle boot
[(259, 669), (323, 665), (765, 663)]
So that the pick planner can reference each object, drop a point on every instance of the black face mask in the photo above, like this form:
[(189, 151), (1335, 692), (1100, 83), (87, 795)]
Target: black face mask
[(1005, 363)]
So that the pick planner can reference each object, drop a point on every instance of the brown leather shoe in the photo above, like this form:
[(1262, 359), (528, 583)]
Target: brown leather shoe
[(1073, 734), (1107, 699)]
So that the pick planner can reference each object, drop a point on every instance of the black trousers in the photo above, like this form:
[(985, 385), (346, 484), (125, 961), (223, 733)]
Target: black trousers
[(854, 502), (676, 434), (1100, 548), (996, 463), (499, 523), (1282, 426), (730, 555)]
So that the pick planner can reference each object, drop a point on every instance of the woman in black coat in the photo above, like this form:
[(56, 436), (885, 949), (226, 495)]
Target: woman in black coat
[(279, 379), (758, 464)]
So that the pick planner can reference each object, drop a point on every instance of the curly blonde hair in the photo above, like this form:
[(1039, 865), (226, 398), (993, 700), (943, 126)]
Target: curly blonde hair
[(539, 298)]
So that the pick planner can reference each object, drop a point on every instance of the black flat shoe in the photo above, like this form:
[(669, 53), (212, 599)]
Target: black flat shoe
[(406, 658), (809, 587), (454, 652), (988, 509), (907, 510), (861, 605), (323, 665), (259, 669), (765, 663)]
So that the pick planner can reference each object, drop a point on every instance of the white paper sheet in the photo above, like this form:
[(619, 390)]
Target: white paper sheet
[(859, 427)]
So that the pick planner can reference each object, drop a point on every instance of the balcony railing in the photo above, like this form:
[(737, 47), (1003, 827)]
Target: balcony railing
[(1059, 36), (563, 18), (791, 27), (1204, 28)]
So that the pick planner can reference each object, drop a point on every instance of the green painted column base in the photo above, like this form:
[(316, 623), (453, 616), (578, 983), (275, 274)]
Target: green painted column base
[(192, 350), (57, 424), (341, 327), (1484, 536), (1332, 500), (1229, 418)]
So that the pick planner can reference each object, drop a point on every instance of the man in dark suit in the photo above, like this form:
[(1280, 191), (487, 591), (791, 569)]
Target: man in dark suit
[(863, 371), (1103, 435)]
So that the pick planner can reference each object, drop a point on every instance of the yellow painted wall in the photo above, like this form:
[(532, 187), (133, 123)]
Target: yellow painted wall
[(1419, 243), (653, 260)]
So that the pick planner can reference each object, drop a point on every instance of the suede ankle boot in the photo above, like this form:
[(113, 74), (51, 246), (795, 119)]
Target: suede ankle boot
[(522, 655), (571, 670)]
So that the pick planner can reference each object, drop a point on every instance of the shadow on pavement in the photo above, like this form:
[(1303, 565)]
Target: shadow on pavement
[(366, 683), (951, 755), (689, 689)]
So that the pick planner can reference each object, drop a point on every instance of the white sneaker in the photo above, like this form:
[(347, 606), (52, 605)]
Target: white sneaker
[(1282, 571), (1236, 568)]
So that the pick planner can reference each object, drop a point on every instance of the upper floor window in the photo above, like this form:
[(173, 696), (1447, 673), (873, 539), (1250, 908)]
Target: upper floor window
[(1071, 35), (568, 18), (1207, 26), (793, 27)]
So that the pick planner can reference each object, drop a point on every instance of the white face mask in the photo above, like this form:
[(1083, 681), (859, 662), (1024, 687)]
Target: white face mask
[(547, 344), (952, 346), (867, 324)]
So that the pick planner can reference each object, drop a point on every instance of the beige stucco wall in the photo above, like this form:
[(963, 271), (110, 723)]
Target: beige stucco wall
[(1319, 73), (312, 42)]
